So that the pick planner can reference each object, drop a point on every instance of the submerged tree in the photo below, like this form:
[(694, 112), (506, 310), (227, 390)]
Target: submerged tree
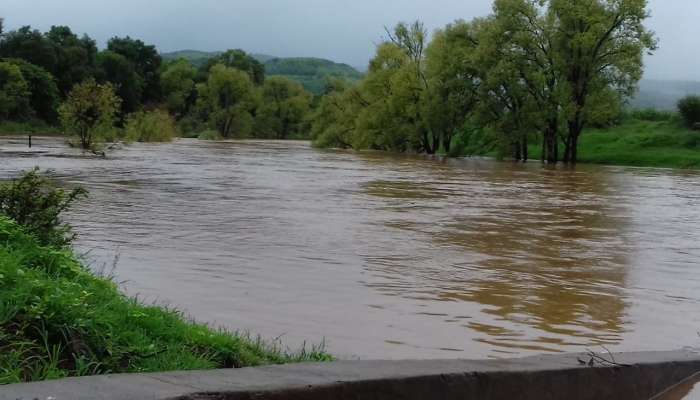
[(284, 108), (89, 107), (229, 98)]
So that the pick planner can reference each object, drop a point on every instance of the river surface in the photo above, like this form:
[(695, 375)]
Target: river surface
[(392, 257)]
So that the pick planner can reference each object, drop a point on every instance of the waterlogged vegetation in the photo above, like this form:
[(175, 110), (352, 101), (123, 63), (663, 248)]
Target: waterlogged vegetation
[(59, 319)]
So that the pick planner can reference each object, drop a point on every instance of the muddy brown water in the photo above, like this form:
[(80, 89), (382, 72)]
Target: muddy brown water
[(387, 256)]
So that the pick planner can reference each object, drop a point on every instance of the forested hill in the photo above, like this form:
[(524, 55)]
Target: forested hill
[(310, 72)]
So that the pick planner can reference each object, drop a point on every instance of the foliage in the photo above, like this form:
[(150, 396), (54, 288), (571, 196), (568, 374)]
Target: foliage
[(208, 135), (240, 60), (146, 63), (118, 71), (689, 108), (89, 107), (44, 96), (34, 202), (151, 126), (284, 109), (178, 86), (228, 98), (14, 92), (57, 319), (59, 51)]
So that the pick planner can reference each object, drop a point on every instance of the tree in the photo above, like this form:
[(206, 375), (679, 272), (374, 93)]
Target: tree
[(29, 45), (229, 98), (178, 85), (76, 57), (600, 46), (116, 69), (44, 96), (146, 62), (89, 107), (453, 81), (241, 61), (285, 106), (14, 92)]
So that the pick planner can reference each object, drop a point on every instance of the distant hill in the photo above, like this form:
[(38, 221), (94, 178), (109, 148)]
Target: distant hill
[(662, 94), (310, 72)]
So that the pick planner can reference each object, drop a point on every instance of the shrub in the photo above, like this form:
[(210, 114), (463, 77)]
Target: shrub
[(689, 108), (208, 135), (34, 202), (152, 126), (89, 108)]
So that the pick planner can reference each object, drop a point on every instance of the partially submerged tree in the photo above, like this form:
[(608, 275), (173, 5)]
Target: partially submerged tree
[(229, 98), (89, 107), (284, 108)]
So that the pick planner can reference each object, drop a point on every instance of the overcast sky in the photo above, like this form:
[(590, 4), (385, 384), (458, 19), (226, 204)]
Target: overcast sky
[(344, 31)]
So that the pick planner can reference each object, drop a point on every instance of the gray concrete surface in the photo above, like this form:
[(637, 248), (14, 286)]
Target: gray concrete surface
[(570, 377)]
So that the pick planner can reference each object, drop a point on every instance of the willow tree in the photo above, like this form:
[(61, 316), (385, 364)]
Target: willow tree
[(228, 98), (452, 82), (600, 46), (284, 108)]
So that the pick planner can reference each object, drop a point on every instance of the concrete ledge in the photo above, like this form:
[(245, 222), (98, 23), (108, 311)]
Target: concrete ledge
[(638, 376)]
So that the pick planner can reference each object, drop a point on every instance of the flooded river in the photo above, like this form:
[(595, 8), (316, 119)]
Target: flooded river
[(393, 256)]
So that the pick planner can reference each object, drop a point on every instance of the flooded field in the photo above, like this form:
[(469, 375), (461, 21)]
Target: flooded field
[(387, 256)]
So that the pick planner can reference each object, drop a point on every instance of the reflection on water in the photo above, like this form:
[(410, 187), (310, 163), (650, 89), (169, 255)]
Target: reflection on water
[(394, 256)]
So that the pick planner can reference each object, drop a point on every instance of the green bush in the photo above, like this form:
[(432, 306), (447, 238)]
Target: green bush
[(57, 319), (689, 108), (152, 126), (209, 135), (36, 203)]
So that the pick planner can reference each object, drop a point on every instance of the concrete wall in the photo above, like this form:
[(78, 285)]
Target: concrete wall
[(635, 376)]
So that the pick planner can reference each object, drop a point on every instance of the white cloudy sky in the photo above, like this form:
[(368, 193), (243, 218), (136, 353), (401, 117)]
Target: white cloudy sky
[(343, 31)]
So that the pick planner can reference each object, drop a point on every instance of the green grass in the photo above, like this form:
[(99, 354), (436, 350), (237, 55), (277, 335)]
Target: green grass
[(58, 319), (639, 142)]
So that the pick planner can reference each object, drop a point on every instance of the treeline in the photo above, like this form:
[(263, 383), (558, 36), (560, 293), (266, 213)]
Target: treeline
[(532, 72), (59, 77)]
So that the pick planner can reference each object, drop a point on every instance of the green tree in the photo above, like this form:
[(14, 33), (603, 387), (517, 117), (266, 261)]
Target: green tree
[(116, 69), (76, 57), (89, 107), (229, 99), (44, 95), (178, 85), (146, 62), (152, 126), (284, 109), (600, 46), (239, 60), (14, 92), (453, 82)]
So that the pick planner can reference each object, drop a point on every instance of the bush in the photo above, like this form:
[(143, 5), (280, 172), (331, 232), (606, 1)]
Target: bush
[(153, 126), (689, 108), (36, 203), (209, 135)]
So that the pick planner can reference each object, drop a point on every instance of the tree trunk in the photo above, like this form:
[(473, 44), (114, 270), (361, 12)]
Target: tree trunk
[(523, 142)]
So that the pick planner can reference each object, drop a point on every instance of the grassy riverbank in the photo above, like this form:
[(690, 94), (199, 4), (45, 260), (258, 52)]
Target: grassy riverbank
[(38, 128), (58, 319), (637, 142)]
